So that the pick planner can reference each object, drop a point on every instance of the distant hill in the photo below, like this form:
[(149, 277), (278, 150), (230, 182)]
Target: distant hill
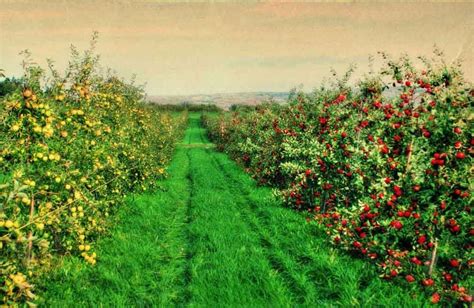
[(223, 100)]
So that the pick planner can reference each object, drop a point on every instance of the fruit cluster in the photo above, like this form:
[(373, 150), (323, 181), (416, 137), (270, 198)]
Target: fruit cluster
[(385, 166), (71, 149)]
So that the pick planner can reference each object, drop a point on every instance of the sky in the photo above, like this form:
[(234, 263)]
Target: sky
[(202, 48)]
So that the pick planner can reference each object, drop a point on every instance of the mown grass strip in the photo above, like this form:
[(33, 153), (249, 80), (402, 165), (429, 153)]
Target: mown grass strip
[(143, 259), (229, 266), (323, 276)]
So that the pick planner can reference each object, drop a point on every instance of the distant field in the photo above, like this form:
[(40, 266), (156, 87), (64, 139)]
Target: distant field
[(223, 100), (226, 100)]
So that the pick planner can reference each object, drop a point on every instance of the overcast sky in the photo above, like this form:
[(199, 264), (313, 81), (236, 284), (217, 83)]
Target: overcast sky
[(209, 48)]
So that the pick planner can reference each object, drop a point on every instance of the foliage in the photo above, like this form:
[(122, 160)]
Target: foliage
[(384, 165), (9, 85), (71, 148)]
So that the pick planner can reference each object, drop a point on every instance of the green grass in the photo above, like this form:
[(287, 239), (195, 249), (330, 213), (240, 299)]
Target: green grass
[(4, 178), (212, 238)]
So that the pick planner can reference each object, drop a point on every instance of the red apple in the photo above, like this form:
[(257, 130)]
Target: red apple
[(396, 224), (454, 263), (428, 282)]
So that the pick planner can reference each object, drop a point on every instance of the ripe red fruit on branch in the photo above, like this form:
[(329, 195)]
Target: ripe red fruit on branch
[(327, 186), (421, 239), (458, 144), (409, 278), (396, 224), (457, 130), (408, 83), (454, 263), (466, 298), (460, 155), (438, 159), (344, 135), (341, 98), (397, 190), (435, 298), (308, 172), (443, 205), (415, 260), (428, 282)]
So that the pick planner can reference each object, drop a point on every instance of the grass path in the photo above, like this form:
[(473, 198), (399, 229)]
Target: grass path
[(211, 238)]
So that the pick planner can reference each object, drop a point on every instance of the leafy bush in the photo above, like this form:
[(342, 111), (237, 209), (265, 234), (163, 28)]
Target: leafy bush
[(71, 148), (8, 85), (384, 165)]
